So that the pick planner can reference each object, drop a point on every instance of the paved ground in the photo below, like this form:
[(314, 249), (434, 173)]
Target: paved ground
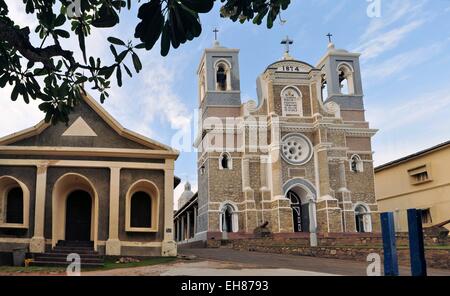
[(218, 262), (291, 262), (202, 268)]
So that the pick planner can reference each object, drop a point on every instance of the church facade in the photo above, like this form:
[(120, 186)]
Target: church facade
[(299, 160), (91, 181)]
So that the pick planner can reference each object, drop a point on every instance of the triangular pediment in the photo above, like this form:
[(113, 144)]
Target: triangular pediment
[(90, 125), (79, 129)]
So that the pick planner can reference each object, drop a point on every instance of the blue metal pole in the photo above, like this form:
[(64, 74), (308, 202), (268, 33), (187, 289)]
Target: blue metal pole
[(389, 247), (416, 245)]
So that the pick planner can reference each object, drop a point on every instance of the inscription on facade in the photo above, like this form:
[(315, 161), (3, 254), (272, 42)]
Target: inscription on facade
[(290, 99)]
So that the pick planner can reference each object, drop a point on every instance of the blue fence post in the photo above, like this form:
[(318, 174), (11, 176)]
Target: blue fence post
[(416, 245), (389, 247)]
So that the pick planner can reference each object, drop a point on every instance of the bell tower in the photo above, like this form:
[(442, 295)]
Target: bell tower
[(341, 78), (218, 77)]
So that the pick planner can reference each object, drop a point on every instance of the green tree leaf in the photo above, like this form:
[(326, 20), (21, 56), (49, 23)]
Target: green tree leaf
[(116, 41), (136, 62)]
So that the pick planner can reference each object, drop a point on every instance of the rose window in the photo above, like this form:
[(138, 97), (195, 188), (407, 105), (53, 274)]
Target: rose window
[(296, 149)]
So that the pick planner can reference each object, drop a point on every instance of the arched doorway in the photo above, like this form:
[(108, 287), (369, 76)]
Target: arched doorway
[(363, 219), (78, 216), (228, 218), (75, 206), (300, 212)]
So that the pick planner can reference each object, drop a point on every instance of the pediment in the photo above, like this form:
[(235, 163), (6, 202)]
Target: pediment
[(79, 128), (90, 125)]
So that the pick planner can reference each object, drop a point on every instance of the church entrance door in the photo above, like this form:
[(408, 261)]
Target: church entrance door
[(300, 214), (78, 216)]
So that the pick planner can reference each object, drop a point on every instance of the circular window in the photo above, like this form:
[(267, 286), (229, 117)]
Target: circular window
[(296, 149)]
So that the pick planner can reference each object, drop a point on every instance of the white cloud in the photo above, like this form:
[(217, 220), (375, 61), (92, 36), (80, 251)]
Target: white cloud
[(386, 41), (398, 20), (335, 11), (16, 116), (19, 16), (150, 96), (397, 64), (392, 12), (421, 108), (410, 125)]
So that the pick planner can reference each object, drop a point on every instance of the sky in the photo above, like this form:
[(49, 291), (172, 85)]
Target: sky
[(405, 66)]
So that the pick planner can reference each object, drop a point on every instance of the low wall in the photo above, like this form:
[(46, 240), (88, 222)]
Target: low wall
[(347, 246), (435, 257)]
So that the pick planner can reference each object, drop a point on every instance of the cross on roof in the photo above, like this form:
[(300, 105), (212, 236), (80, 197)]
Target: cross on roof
[(287, 42), (215, 33), (329, 35)]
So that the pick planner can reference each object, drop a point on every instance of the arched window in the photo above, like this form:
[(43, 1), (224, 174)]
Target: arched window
[(221, 78), (223, 75), (225, 161), (363, 219), (356, 164), (142, 207), (14, 203), (346, 82), (14, 206), (141, 210), (228, 219)]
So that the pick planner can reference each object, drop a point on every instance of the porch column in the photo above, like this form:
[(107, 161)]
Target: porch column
[(182, 228), (188, 225), (169, 247), (37, 243), (178, 229), (312, 221), (195, 221), (113, 243)]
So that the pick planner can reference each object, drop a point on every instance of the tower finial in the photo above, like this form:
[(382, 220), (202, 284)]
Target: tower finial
[(287, 42), (215, 33), (329, 35), (330, 42), (216, 42)]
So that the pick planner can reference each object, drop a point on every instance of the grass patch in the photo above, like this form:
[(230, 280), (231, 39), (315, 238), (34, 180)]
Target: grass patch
[(110, 263), (32, 269)]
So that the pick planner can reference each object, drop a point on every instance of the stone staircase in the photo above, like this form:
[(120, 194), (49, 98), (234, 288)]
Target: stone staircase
[(58, 255)]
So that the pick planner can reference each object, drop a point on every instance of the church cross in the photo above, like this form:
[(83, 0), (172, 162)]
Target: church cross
[(287, 42), (329, 35), (215, 33)]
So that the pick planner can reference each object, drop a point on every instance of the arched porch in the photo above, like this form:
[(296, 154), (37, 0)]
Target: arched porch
[(74, 200)]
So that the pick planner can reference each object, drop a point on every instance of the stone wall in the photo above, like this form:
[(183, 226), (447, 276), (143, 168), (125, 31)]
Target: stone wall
[(349, 246)]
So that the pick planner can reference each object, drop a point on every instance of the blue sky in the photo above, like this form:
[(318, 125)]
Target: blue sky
[(405, 68)]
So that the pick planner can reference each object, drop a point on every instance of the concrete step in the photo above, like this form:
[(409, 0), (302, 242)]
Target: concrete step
[(75, 244), (56, 254), (66, 250), (49, 258), (63, 264)]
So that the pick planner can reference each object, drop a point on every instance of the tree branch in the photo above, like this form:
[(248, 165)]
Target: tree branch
[(20, 40)]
